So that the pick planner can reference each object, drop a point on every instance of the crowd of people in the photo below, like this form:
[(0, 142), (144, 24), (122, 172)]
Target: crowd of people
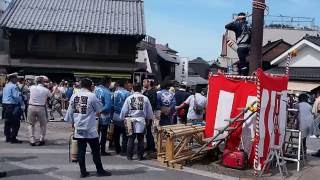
[(307, 118), (93, 109), (129, 110)]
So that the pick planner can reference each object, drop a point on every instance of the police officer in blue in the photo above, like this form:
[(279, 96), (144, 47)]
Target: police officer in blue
[(119, 97), (104, 94), (166, 103), (12, 103)]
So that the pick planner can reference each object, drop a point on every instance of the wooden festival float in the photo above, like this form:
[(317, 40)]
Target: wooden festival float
[(243, 112)]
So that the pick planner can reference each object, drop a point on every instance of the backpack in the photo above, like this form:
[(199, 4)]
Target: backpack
[(197, 108)]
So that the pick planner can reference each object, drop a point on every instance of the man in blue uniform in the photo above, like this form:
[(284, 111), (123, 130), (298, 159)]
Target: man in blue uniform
[(105, 96), (82, 114), (151, 94), (119, 97), (12, 103)]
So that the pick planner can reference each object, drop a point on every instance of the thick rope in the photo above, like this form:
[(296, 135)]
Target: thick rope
[(260, 5), (256, 158), (288, 64)]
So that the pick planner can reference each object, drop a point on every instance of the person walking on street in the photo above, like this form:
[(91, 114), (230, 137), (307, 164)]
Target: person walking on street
[(56, 103), (103, 93), (305, 118), (119, 97), (84, 106), (166, 103), (136, 112), (316, 113), (181, 96), (197, 104), (37, 110), (151, 94), (12, 107), (25, 92)]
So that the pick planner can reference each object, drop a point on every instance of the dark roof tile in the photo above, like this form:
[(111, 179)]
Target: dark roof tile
[(313, 39), (298, 73), (123, 17)]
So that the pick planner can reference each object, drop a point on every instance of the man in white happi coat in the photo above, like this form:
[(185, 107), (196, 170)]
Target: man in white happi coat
[(82, 114), (136, 111)]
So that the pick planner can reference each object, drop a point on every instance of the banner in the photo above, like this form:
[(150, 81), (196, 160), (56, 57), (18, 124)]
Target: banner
[(226, 99), (272, 118)]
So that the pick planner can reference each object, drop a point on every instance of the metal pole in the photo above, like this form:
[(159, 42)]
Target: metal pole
[(255, 58)]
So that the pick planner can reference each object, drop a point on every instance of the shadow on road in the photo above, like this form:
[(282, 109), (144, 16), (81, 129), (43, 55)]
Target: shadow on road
[(18, 159), (23, 172), (124, 172)]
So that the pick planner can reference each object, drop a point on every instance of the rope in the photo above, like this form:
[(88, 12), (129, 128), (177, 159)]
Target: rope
[(260, 5), (256, 157), (288, 64)]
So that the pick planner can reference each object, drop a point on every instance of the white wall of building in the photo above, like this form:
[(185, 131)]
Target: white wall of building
[(143, 57), (291, 36), (306, 57), (181, 71)]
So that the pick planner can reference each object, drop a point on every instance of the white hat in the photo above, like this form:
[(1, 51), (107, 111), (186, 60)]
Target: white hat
[(12, 75)]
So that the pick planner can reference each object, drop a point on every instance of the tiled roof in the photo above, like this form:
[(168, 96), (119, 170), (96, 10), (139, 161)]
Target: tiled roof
[(199, 60), (270, 45), (117, 17), (196, 79), (299, 73), (166, 56), (313, 39), (166, 48)]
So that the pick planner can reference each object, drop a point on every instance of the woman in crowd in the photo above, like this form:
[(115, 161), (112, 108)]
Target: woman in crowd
[(305, 118)]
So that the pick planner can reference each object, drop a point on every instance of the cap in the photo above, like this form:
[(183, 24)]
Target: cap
[(12, 75)]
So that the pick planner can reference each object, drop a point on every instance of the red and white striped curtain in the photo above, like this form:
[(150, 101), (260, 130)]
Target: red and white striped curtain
[(226, 99)]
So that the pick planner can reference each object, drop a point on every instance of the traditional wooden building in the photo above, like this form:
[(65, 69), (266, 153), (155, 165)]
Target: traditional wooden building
[(304, 74), (199, 67), (272, 50), (160, 60), (73, 38)]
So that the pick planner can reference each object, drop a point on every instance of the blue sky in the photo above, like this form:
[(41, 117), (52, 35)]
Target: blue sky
[(194, 27)]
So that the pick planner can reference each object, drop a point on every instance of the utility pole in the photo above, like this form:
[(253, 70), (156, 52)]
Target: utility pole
[(255, 58)]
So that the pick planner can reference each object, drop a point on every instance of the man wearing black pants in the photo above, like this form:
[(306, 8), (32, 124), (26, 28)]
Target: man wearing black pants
[(82, 113), (151, 94), (119, 97), (243, 35), (12, 103), (119, 131), (131, 139), (104, 95), (136, 111), (82, 146)]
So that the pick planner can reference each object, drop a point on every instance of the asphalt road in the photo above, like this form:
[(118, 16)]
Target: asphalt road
[(22, 161)]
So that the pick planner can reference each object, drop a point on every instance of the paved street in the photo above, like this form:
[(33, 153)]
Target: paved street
[(51, 161)]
